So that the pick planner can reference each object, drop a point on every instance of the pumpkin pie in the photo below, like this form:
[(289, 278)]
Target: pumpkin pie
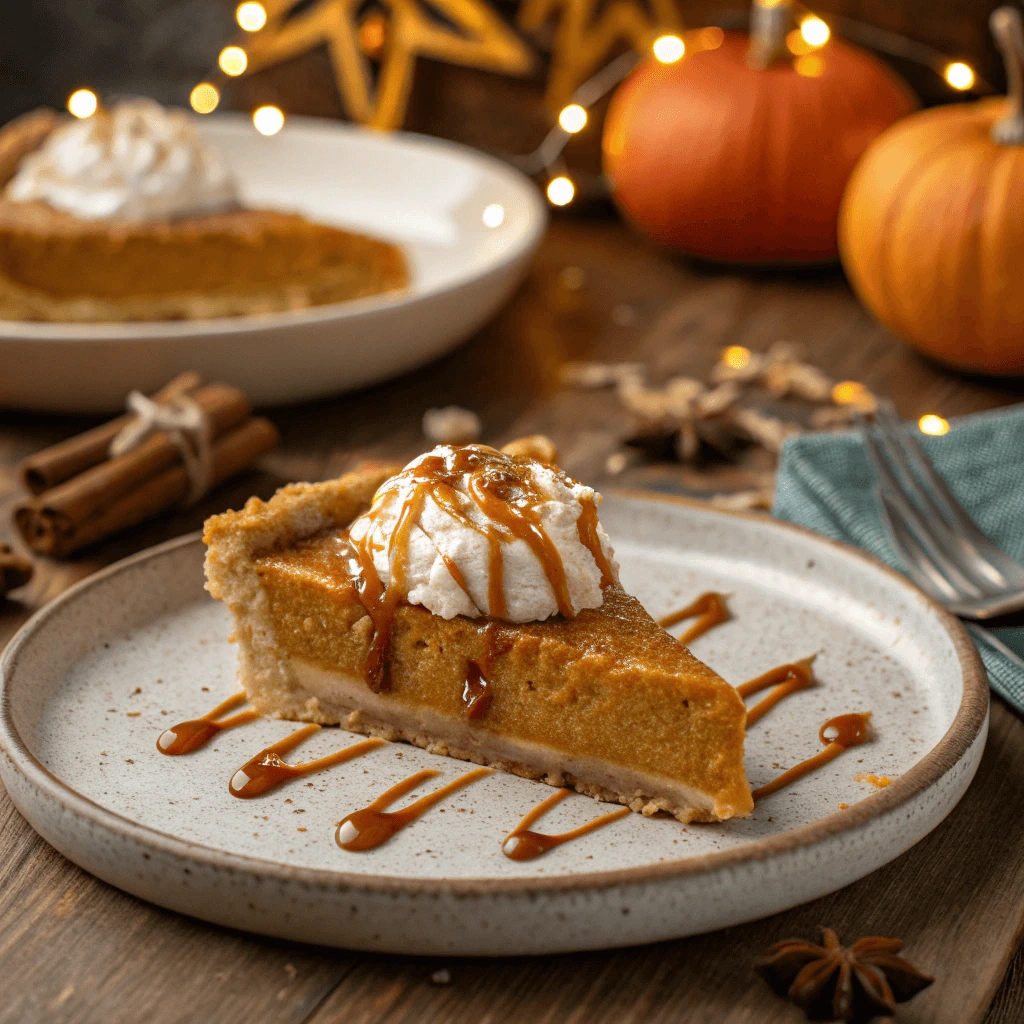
[(598, 698), (57, 266)]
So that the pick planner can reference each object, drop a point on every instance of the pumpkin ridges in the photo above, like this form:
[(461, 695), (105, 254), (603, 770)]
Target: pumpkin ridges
[(969, 318), (1004, 288), (893, 164), (926, 240)]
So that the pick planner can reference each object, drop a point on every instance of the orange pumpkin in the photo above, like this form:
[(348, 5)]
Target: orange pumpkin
[(932, 226), (726, 159)]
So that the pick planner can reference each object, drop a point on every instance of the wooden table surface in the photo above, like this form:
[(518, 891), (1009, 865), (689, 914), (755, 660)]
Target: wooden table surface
[(72, 948)]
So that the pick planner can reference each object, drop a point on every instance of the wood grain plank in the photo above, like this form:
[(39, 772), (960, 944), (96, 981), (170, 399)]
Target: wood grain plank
[(75, 949), (1008, 1005)]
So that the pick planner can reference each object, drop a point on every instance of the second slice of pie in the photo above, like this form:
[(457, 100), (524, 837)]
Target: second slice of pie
[(473, 608)]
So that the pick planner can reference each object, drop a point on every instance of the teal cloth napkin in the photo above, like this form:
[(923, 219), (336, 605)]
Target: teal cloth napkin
[(826, 483)]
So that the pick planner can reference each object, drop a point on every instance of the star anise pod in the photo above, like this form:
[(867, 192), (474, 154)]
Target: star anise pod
[(834, 982)]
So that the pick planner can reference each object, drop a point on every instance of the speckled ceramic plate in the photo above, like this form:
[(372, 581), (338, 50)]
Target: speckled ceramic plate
[(92, 680)]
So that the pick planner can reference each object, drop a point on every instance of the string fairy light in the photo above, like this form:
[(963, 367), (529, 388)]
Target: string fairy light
[(83, 103), (959, 76), (204, 98), (933, 425), (736, 357), (561, 191), (811, 34), (814, 31), (669, 49), (268, 119), (233, 61), (573, 118), (251, 16)]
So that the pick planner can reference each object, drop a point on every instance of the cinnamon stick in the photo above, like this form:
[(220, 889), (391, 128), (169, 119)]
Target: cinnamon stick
[(15, 570), (58, 535), (82, 496), (62, 461)]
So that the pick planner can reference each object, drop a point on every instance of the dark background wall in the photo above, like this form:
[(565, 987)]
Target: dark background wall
[(161, 48)]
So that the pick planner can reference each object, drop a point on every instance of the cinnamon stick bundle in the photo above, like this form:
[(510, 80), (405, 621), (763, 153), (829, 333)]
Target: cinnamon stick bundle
[(62, 461), (92, 495)]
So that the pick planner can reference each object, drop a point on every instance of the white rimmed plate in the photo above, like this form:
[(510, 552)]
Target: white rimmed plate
[(92, 680), (427, 195)]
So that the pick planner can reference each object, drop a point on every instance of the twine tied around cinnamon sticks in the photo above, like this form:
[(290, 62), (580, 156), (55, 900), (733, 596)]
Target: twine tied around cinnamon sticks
[(133, 468), (186, 426)]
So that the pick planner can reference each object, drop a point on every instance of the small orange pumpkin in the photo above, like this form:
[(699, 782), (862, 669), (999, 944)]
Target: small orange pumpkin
[(931, 229), (741, 152)]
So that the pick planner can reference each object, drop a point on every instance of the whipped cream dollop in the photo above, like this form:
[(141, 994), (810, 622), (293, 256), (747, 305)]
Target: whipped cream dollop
[(136, 161), (472, 531)]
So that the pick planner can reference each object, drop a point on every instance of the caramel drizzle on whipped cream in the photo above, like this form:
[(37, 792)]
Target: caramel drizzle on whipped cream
[(500, 489)]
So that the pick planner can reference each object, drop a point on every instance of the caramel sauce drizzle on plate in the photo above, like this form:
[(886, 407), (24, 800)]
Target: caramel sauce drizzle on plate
[(268, 769), (710, 610), (185, 737), (374, 825), (838, 734), (522, 843), (786, 679), (500, 489)]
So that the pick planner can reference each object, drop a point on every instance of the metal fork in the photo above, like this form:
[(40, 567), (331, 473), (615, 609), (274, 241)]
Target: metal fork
[(944, 552)]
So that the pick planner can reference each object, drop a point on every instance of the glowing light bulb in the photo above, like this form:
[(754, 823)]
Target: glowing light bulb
[(668, 49), (929, 423), (561, 191), (204, 98), (810, 66), (573, 118), (268, 120), (959, 75), (814, 31), (232, 61), (83, 103), (494, 215), (736, 357), (852, 392), (251, 16)]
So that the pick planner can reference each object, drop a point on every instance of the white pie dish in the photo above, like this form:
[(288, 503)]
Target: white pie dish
[(424, 194)]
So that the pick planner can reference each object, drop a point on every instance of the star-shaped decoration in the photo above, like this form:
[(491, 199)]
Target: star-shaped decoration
[(589, 31), (466, 32)]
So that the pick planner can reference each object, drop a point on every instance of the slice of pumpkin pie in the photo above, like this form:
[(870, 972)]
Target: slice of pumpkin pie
[(470, 604)]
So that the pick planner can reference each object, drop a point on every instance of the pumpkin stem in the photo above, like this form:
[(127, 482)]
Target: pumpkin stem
[(1008, 31), (769, 22)]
